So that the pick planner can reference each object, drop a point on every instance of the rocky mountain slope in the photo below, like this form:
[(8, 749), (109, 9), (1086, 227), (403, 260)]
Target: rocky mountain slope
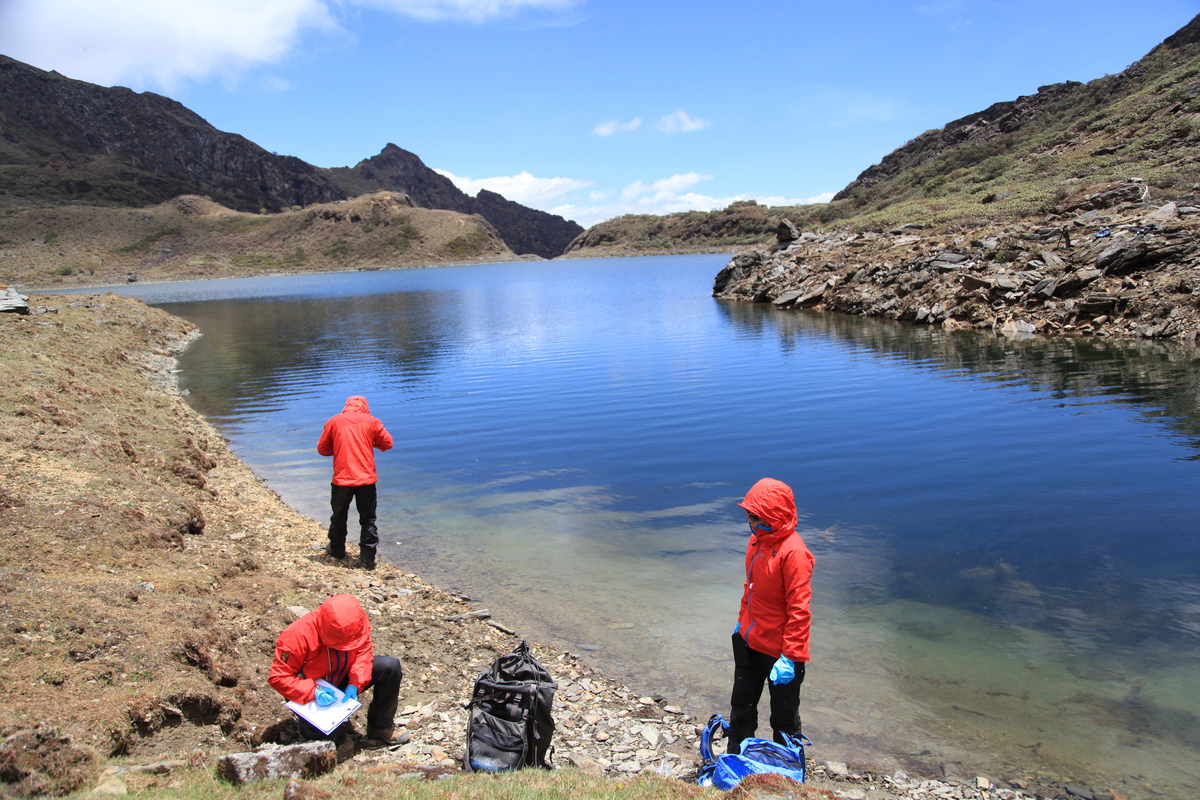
[(68, 141), (525, 230)]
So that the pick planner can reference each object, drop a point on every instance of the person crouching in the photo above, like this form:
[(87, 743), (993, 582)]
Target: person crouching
[(334, 642)]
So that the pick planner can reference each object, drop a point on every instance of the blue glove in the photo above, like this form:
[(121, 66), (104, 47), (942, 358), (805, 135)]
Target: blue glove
[(737, 627), (325, 697), (351, 693), (783, 671)]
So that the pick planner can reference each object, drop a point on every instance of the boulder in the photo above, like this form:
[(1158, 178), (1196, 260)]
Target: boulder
[(305, 760), (1018, 328), (1163, 213), (738, 269), (1130, 255), (786, 233)]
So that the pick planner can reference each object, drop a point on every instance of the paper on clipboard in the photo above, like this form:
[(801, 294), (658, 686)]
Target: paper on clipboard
[(326, 718)]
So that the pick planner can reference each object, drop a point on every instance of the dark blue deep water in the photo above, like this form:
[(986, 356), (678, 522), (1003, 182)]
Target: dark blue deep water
[(1008, 568)]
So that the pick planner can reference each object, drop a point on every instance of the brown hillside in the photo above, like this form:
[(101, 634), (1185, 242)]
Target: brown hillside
[(192, 237)]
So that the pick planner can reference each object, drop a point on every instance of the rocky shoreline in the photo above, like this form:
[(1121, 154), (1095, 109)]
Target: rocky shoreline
[(148, 571), (1106, 264)]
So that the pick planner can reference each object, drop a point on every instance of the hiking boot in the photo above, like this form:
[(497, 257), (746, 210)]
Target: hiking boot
[(366, 558), (337, 556), (385, 735)]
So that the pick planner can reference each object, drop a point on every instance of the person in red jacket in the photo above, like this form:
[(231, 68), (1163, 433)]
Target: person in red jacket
[(352, 437), (334, 643), (770, 640)]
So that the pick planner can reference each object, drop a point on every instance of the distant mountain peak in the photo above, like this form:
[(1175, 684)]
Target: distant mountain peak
[(84, 143)]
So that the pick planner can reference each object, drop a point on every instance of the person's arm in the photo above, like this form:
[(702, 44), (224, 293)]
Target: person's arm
[(383, 439), (797, 587), (284, 679), (362, 665), (325, 443)]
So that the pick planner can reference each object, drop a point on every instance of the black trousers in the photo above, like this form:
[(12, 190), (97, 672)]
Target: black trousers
[(365, 501), (381, 713), (751, 669)]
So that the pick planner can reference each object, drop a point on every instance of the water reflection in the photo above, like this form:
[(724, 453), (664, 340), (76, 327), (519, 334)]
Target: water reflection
[(269, 349), (1159, 377)]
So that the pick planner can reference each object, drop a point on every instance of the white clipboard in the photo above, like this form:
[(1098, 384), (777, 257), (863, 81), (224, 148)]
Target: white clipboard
[(326, 718)]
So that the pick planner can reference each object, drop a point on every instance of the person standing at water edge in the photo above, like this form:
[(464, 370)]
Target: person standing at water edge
[(352, 437), (770, 640)]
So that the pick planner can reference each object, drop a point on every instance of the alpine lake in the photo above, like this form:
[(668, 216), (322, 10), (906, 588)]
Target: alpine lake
[(1008, 562)]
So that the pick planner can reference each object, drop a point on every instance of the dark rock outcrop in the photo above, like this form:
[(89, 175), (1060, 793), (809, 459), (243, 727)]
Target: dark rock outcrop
[(1133, 270), (525, 230), (397, 170), (164, 149)]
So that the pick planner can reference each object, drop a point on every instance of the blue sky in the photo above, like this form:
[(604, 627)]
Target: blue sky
[(592, 108)]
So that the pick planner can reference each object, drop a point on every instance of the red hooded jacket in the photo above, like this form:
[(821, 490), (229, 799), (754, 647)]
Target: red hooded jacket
[(775, 614), (349, 437), (333, 642)]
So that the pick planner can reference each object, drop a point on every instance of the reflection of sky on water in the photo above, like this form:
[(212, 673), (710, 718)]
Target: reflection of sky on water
[(991, 518)]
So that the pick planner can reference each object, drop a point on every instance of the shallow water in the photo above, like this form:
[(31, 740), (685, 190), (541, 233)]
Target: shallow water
[(1004, 530)]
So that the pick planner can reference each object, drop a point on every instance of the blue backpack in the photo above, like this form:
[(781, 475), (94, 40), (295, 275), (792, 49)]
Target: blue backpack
[(757, 755)]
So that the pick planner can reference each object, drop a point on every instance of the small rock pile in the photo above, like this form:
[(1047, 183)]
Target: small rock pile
[(1109, 264)]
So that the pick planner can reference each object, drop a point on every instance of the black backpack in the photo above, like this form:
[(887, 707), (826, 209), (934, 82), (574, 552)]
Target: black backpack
[(510, 725)]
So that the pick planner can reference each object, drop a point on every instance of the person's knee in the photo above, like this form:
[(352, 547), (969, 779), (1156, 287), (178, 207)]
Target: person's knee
[(386, 670)]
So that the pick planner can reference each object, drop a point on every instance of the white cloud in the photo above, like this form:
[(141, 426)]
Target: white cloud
[(567, 196), (166, 43), (664, 196), (150, 42), (466, 10), (523, 188), (611, 126), (662, 188), (681, 122)]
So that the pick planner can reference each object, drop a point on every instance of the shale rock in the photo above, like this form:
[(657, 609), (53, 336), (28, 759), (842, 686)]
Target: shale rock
[(1136, 273)]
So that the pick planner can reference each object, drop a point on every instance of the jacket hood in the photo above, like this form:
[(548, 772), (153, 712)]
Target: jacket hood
[(772, 501), (342, 624), (356, 403)]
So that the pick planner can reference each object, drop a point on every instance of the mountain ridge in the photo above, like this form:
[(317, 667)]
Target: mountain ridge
[(69, 141), (1014, 160)]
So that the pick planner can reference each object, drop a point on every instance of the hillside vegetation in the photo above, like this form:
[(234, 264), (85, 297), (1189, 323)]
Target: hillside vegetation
[(1015, 161), (192, 237)]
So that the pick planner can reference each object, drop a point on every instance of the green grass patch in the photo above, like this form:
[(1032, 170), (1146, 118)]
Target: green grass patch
[(338, 250), (352, 784), (143, 245), (296, 258), (234, 225), (470, 244), (259, 261)]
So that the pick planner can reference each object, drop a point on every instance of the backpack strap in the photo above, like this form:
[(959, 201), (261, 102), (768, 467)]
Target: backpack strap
[(706, 736)]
